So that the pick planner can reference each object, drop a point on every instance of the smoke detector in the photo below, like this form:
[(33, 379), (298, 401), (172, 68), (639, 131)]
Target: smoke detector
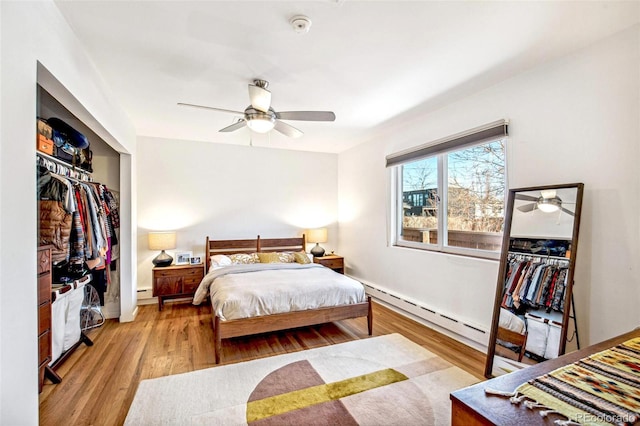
[(300, 24)]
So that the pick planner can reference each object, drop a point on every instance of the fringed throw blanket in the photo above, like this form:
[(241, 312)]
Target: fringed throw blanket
[(601, 389)]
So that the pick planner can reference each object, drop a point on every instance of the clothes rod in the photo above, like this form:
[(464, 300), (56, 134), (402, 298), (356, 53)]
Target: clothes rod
[(76, 173)]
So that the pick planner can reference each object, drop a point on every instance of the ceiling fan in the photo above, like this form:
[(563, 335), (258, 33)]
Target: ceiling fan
[(548, 202), (261, 117)]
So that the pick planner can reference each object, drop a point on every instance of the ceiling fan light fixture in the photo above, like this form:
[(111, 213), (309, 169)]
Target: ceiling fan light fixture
[(261, 124), (549, 205)]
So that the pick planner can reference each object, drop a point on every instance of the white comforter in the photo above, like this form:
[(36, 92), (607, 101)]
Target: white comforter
[(242, 291)]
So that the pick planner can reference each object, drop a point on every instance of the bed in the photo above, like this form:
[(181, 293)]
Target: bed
[(276, 295), (512, 335)]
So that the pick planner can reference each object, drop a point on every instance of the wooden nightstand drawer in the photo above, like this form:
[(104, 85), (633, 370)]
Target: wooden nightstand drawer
[(169, 272), (191, 287), (332, 262), (194, 274), (167, 285)]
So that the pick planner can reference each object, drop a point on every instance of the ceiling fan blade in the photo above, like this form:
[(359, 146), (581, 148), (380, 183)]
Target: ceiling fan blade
[(526, 197), (260, 98), (569, 212), (306, 115), (287, 129), (235, 126), (211, 108), (527, 207)]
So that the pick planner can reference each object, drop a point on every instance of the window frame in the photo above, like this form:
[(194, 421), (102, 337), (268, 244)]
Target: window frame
[(441, 246)]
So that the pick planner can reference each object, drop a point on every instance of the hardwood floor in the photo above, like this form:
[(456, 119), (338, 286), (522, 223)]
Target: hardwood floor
[(99, 382)]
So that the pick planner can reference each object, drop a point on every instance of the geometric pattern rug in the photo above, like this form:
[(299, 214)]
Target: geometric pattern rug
[(381, 380)]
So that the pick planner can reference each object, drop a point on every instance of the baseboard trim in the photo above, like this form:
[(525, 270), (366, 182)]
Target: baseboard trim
[(446, 323)]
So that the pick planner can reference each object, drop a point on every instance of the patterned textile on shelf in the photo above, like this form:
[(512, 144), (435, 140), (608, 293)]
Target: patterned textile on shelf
[(603, 388)]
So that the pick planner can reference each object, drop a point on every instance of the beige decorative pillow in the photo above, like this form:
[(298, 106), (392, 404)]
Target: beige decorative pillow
[(276, 257), (269, 258), (301, 257), (242, 258), (286, 257)]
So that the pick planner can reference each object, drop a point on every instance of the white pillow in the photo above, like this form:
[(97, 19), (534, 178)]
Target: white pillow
[(511, 321), (220, 260)]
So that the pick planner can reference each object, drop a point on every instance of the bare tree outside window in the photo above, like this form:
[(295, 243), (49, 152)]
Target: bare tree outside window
[(475, 178), (476, 188)]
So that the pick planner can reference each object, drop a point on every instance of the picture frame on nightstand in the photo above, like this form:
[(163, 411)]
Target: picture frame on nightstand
[(183, 257), (195, 260)]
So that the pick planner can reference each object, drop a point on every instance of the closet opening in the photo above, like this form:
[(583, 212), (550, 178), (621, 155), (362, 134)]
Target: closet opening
[(105, 170)]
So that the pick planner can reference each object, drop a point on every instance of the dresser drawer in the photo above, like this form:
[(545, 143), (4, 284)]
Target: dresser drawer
[(44, 348), (44, 317), (44, 288), (44, 261)]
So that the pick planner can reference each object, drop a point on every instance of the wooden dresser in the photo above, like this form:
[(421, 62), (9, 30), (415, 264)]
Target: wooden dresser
[(44, 311), (470, 406), (176, 281)]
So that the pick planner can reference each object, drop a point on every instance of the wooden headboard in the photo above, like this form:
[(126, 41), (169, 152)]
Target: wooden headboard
[(213, 247)]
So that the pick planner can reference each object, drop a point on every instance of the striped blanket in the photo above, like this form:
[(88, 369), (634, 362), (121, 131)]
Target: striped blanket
[(601, 389)]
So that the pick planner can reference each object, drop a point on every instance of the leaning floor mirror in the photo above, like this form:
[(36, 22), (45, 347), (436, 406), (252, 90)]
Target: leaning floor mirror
[(533, 303)]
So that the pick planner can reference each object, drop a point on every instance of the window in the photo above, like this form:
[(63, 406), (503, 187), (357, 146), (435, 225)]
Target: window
[(450, 195)]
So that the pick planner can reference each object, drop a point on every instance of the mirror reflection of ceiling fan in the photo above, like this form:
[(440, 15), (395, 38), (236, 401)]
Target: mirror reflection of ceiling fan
[(548, 202), (261, 117)]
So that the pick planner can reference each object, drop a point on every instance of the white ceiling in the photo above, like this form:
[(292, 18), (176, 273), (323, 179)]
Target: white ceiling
[(371, 62)]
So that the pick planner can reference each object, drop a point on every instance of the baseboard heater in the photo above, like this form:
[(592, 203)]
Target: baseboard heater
[(471, 332)]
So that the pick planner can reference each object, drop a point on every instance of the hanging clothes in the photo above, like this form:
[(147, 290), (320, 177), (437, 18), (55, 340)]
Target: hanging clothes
[(535, 282), (79, 219)]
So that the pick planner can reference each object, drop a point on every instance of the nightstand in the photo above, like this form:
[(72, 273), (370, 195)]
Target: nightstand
[(175, 281), (331, 261)]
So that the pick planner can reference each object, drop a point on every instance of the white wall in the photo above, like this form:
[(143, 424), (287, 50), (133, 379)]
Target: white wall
[(32, 32), (575, 119), (226, 191)]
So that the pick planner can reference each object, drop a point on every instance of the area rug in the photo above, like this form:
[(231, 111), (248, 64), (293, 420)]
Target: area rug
[(381, 380)]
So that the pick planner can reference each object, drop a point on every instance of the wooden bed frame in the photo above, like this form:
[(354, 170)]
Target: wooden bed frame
[(268, 323), (518, 339)]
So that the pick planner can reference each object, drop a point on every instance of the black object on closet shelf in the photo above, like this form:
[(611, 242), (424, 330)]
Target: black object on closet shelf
[(67, 132)]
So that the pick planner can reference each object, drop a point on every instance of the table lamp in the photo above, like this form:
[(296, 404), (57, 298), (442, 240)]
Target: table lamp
[(162, 241), (317, 236)]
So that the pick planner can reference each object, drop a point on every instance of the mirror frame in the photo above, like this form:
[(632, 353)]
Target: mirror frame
[(502, 268)]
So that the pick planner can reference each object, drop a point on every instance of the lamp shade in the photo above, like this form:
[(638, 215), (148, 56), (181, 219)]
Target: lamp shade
[(162, 240), (318, 235)]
